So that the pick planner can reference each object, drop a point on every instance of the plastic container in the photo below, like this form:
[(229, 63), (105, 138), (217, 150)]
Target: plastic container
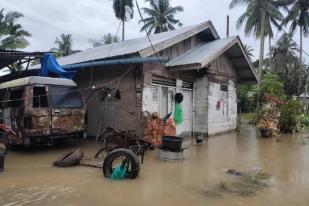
[(265, 132), (171, 143)]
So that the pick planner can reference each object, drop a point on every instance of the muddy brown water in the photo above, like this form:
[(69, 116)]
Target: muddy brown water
[(29, 178)]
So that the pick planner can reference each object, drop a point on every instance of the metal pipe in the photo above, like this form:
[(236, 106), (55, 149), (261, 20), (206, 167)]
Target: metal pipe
[(134, 60)]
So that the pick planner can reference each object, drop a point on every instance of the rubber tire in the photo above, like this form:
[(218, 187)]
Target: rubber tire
[(133, 158), (69, 159)]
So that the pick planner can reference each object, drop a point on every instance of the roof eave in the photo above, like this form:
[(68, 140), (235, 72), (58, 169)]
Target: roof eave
[(168, 43)]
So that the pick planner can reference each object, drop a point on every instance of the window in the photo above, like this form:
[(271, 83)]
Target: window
[(224, 99), (65, 97), (40, 98), (15, 98), (163, 99)]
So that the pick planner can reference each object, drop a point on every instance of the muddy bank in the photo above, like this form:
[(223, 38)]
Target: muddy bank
[(30, 179)]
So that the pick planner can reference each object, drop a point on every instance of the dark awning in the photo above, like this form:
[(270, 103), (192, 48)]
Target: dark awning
[(8, 57)]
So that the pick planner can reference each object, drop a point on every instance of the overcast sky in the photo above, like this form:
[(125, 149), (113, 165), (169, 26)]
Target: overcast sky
[(86, 19)]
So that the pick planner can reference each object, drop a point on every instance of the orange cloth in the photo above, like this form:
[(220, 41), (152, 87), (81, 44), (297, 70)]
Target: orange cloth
[(155, 128)]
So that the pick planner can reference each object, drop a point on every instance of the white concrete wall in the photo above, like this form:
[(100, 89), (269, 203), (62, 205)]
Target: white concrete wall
[(217, 122), (200, 96)]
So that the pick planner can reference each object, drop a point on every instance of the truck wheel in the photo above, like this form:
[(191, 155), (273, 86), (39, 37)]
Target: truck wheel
[(119, 156), (69, 159)]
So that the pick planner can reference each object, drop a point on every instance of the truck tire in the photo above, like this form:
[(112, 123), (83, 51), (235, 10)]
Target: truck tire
[(118, 156), (69, 159)]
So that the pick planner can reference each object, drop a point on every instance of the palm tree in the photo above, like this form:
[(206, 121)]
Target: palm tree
[(249, 50), (123, 10), (298, 15), (64, 43), (259, 17), (12, 35), (160, 16), (286, 64)]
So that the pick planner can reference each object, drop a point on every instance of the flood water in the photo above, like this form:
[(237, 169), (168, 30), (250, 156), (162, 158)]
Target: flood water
[(29, 178)]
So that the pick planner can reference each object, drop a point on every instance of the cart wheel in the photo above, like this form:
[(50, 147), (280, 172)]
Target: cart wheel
[(119, 156), (102, 153)]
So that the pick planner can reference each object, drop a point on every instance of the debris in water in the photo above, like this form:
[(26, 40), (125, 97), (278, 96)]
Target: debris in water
[(248, 184)]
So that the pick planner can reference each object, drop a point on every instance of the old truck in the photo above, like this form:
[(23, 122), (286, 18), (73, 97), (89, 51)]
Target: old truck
[(41, 110)]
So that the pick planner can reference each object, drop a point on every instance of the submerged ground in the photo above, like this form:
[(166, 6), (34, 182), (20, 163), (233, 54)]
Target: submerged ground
[(29, 178)]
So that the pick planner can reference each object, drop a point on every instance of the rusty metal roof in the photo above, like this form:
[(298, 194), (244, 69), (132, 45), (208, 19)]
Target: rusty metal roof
[(139, 46), (203, 54), (35, 80), (8, 57)]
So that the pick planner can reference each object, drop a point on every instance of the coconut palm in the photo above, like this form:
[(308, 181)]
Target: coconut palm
[(64, 45), (249, 50), (286, 64), (12, 35), (160, 16), (123, 10), (258, 13), (298, 15)]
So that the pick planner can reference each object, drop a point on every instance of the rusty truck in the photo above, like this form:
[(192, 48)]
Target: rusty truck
[(41, 110)]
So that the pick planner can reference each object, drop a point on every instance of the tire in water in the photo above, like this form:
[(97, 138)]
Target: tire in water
[(69, 159), (131, 157)]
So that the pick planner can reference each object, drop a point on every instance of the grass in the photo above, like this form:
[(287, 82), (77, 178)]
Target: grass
[(247, 185), (249, 117)]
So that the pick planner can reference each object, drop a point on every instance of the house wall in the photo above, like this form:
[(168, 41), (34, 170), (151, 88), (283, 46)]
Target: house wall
[(123, 114), (200, 96), (222, 73), (181, 47)]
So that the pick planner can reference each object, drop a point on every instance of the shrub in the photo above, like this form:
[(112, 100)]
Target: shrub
[(305, 120), (290, 117)]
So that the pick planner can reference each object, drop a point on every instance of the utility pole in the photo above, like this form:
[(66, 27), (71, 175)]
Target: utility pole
[(227, 25)]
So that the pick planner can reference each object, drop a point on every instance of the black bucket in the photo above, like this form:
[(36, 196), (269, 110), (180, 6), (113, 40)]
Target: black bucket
[(172, 143)]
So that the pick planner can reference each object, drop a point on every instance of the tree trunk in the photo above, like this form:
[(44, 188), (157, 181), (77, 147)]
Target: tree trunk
[(300, 61), (262, 40), (270, 54), (123, 30), (261, 58)]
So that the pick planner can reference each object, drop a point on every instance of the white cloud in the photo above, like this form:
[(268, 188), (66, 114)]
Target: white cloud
[(87, 19)]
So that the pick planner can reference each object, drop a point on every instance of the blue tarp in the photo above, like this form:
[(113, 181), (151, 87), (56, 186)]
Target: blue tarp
[(50, 65)]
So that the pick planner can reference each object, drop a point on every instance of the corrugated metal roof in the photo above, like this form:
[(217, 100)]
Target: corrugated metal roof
[(34, 80), (205, 52), (138, 45)]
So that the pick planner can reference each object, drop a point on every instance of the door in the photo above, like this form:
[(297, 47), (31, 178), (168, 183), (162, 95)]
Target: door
[(186, 126), (163, 102), (66, 109), (37, 119)]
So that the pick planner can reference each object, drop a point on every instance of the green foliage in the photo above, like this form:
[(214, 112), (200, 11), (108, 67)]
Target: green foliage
[(64, 45), (244, 102), (305, 120), (250, 118), (290, 116), (251, 18), (285, 63), (12, 35), (119, 7), (160, 16), (270, 86), (298, 15)]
